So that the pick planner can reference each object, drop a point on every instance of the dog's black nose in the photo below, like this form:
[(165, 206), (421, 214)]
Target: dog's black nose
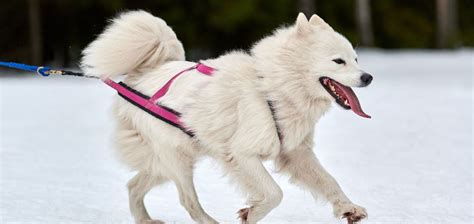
[(366, 79)]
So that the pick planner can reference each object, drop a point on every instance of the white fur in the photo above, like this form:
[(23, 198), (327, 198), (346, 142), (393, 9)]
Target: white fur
[(134, 41), (228, 112)]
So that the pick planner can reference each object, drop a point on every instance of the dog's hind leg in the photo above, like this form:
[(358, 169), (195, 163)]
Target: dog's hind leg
[(263, 192), (304, 168), (138, 186)]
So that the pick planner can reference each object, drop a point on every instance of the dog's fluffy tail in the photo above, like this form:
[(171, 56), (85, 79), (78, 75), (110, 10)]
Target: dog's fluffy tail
[(133, 43)]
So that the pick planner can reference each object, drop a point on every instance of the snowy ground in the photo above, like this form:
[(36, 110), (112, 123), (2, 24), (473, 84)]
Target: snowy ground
[(411, 163)]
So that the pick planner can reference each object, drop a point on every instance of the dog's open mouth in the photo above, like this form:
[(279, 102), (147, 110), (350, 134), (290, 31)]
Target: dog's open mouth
[(343, 95)]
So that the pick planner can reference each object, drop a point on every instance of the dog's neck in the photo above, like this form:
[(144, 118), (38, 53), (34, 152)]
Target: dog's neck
[(296, 112)]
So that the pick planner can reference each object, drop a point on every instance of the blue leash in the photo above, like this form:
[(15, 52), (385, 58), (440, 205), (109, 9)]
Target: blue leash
[(42, 70)]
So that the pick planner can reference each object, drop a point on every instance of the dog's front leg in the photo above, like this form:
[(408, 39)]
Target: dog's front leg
[(304, 168), (263, 192)]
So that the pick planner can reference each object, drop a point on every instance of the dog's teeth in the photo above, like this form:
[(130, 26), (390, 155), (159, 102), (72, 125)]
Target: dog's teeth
[(346, 102)]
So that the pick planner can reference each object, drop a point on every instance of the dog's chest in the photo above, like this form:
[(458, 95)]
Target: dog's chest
[(296, 124)]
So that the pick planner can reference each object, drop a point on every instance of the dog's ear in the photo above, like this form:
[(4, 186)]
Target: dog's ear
[(316, 21), (302, 24)]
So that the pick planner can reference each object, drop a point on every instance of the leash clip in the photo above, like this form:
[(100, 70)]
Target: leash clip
[(43, 71)]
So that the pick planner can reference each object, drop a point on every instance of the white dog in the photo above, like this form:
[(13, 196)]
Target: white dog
[(300, 69)]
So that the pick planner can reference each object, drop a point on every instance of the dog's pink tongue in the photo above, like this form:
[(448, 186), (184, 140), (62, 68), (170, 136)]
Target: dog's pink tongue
[(353, 100)]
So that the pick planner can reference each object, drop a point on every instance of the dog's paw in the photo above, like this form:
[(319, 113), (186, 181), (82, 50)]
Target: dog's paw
[(353, 213), (243, 214), (149, 221)]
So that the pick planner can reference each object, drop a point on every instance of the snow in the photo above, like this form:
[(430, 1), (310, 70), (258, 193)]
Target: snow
[(411, 163)]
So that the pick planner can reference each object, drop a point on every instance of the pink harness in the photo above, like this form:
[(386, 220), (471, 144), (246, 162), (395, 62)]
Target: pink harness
[(151, 105), (168, 115)]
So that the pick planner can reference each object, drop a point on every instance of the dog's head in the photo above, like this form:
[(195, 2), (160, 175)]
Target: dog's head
[(322, 60)]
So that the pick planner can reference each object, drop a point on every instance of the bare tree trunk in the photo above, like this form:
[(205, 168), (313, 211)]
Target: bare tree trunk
[(35, 31), (364, 22), (307, 7), (446, 21)]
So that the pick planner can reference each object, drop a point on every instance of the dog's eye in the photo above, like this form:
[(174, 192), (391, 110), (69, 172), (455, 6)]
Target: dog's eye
[(356, 60), (339, 61)]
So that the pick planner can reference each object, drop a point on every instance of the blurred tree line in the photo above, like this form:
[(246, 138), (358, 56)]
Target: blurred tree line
[(55, 31)]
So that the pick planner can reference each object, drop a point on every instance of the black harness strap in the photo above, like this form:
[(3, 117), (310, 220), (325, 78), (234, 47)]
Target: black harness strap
[(272, 109), (188, 132)]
